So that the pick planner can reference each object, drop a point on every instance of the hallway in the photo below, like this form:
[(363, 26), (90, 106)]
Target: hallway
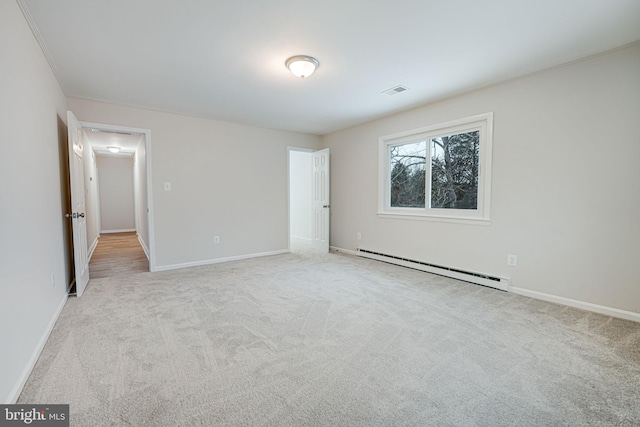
[(117, 254)]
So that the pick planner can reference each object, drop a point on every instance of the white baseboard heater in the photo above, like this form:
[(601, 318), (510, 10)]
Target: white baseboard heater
[(501, 283)]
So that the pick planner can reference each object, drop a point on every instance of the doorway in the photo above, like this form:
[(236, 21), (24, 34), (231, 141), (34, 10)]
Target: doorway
[(119, 220), (309, 196)]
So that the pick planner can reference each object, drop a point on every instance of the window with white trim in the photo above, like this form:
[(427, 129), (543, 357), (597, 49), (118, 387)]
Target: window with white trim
[(438, 172)]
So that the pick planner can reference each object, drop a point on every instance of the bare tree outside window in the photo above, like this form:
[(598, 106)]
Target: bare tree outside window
[(408, 168), (454, 172)]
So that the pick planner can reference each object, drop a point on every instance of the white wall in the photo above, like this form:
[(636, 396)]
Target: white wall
[(91, 191), (227, 179), (565, 184), (117, 211), (32, 115), (140, 193), (300, 170)]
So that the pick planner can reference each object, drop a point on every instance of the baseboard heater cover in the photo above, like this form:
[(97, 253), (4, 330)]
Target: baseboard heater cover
[(501, 283)]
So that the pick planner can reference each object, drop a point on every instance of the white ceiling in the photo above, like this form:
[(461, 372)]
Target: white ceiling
[(99, 140), (225, 59)]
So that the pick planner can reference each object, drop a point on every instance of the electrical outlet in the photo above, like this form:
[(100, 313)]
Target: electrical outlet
[(512, 260), (53, 280), (167, 186), (358, 236), (216, 240)]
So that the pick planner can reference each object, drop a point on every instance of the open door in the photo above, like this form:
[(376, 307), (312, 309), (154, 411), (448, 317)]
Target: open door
[(77, 215), (321, 200)]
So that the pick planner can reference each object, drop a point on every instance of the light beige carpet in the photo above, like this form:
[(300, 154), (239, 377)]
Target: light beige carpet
[(331, 340)]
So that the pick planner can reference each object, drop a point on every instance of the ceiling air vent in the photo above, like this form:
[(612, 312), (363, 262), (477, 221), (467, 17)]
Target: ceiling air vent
[(395, 90)]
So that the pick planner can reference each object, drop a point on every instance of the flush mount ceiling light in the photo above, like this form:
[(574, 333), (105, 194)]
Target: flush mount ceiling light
[(114, 149), (302, 65)]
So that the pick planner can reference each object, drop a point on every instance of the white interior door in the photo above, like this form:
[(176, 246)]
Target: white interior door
[(321, 200), (78, 214)]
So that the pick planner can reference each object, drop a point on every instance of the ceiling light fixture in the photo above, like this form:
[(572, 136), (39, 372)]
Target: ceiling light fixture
[(302, 65), (114, 149)]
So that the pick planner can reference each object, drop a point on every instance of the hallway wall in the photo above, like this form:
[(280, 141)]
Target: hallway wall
[(91, 199), (140, 194), (117, 211)]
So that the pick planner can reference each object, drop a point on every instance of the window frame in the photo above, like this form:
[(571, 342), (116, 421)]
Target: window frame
[(481, 122)]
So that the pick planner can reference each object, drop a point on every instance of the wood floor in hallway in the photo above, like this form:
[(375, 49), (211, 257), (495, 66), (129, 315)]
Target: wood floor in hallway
[(117, 254)]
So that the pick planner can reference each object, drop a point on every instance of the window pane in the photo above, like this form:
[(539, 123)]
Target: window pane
[(454, 171), (408, 164)]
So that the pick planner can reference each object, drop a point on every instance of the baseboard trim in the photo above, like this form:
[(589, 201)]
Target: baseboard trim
[(218, 260), (608, 311), (341, 250), (144, 246), (22, 380), (124, 230), (93, 247)]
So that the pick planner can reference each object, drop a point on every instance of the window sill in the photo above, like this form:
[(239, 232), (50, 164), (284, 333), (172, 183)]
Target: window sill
[(435, 218)]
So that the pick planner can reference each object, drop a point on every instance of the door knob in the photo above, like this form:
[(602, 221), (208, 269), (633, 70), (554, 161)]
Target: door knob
[(326, 206)]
